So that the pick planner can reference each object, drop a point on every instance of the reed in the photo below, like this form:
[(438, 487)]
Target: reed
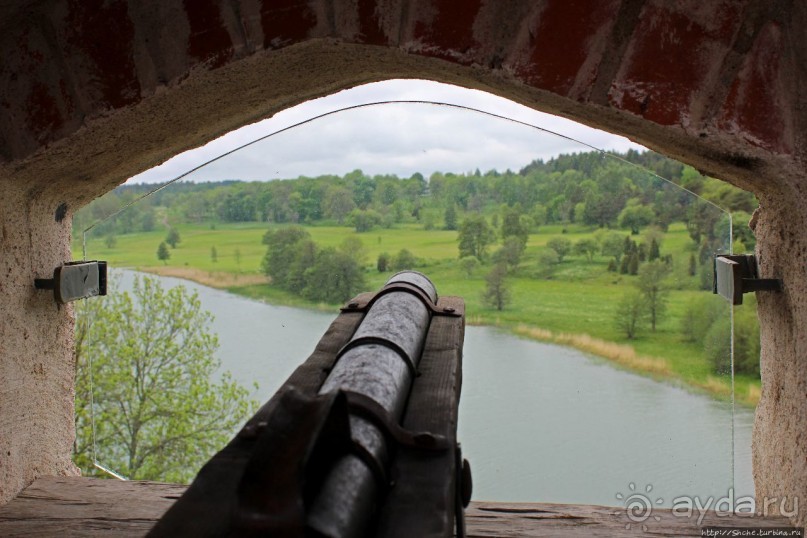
[(621, 354)]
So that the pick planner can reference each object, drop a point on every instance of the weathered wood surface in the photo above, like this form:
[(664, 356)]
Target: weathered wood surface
[(540, 520), (67, 507), (87, 507)]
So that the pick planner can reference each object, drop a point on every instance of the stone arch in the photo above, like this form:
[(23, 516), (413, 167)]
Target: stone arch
[(94, 92)]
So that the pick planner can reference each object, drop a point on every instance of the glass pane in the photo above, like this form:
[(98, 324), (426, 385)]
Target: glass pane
[(603, 369)]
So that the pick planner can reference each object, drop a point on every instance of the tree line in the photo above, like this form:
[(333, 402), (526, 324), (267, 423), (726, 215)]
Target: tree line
[(586, 188)]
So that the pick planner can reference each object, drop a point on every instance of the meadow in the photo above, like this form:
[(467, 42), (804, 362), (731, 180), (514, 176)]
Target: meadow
[(575, 306)]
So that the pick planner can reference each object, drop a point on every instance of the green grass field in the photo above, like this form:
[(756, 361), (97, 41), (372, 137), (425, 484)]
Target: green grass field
[(580, 298)]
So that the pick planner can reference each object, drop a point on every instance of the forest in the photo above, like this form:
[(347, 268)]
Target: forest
[(608, 224)]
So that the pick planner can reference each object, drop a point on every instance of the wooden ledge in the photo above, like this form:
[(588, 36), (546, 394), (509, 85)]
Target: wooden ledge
[(64, 507)]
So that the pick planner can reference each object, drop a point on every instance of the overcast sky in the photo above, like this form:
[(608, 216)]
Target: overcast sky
[(397, 139)]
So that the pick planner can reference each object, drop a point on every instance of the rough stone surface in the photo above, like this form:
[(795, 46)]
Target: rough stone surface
[(94, 92), (780, 429), (36, 358)]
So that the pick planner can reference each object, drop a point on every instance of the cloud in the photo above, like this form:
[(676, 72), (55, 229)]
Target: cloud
[(399, 138)]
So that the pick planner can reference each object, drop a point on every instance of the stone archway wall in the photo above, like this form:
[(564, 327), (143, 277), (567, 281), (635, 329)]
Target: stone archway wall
[(94, 92)]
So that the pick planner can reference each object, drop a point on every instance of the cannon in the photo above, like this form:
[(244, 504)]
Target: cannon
[(360, 441)]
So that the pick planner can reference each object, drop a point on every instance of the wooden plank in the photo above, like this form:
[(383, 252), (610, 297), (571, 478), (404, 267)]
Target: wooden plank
[(68, 507), (517, 520), (422, 501)]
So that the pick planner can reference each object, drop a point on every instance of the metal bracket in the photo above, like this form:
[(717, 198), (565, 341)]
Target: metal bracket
[(75, 280), (735, 275), (363, 302)]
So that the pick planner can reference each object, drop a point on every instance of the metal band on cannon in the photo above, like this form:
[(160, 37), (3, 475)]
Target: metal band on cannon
[(360, 441)]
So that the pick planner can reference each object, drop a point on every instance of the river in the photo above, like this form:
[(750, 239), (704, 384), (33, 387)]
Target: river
[(538, 422)]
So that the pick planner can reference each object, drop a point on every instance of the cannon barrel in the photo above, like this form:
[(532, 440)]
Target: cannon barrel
[(379, 362), (360, 441)]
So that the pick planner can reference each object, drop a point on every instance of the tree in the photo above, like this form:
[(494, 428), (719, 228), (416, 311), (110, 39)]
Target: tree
[(497, 290), (404, 260), (383, 262), (587, 247), (636, 215), (450, 217), (511, 251), (363, 220), (163, 254), (354, 247), (173, 237), (561, 246), (699, 315), (334, 278), (629, 313), (717, 343), (475, 236), (161, 408), (283, 253), (547, 261), (654, 252), (653, 287), (633, 263), (338, 203), (611, 244), (513, 225), (214, 254), (468, 264), (110, 241)]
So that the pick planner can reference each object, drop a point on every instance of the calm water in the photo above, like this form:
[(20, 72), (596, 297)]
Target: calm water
[(538, 422)]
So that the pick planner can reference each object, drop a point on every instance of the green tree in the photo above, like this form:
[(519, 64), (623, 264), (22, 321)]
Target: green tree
[(513, 225), (497, 289), (450, 217), (547, 263), (475, 235), (511, 252), (561, 246), (699, 314), (110, 241), (304, 257), (587, 247), (611, 244), (652, 284), (354, 247), (364, 220), (173, 237), (284, 254), (654, 253), (161, 408), (635, 216), (404, 260), (214, 254), (624, 266), (633, 260), (163, 254), (338, 203), (717, 342), (469, 264), (383, 262), (334, 278), (629, 314), (538, 215)]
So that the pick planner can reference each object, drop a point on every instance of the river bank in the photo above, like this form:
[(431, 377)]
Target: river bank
[(254, 286)]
